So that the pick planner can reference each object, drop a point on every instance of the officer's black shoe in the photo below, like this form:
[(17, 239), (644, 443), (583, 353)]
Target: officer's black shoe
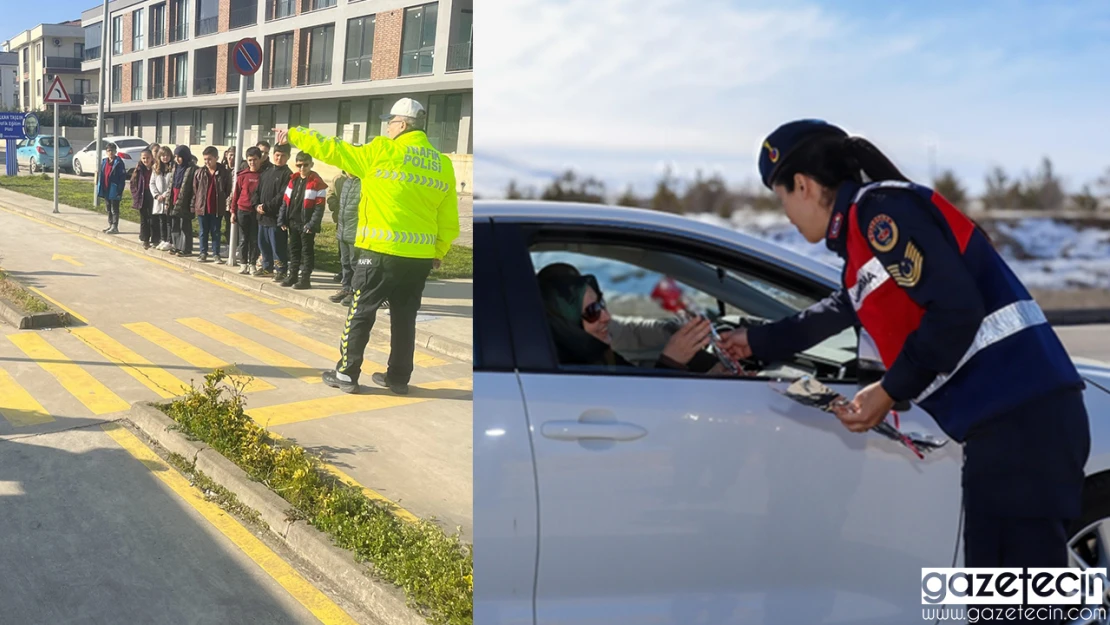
[(398, 389), (302, 284), (333, 381), (347, 300), (339, 295), (290, 280)]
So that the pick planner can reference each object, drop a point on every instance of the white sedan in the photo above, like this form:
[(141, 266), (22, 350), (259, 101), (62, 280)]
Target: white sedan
[(644, 496), (128, 149)]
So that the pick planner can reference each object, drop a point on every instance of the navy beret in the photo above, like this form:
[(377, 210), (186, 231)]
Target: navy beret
[(785, 139)]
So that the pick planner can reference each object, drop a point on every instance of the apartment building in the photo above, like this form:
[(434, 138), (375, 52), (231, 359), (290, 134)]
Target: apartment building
[(9, 79), (45, 51), (334, 65)]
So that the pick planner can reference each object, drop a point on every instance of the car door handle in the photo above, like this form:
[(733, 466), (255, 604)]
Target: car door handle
[(578, 430)]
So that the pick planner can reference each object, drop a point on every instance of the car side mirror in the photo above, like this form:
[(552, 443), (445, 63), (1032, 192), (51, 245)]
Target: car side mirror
[(870, 366)]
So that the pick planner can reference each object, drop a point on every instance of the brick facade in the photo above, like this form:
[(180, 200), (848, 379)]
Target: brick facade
[(126, 81), (222, 54), (387, 45), (298, 38), (225, 20), (127, 19)]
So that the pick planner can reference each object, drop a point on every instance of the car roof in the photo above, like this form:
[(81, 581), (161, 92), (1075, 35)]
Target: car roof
[(603, 214)]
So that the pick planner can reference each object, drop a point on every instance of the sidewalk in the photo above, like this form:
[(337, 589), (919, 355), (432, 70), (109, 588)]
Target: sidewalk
[(444, 325)]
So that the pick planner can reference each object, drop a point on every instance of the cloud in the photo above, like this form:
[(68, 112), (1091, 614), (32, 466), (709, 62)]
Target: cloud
[(621, 86)]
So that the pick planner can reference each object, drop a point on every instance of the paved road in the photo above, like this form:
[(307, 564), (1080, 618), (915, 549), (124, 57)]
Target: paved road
[(1090, 341)]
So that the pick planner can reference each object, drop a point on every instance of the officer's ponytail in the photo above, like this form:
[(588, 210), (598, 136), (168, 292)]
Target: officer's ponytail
[(833, 159), (873, 163)]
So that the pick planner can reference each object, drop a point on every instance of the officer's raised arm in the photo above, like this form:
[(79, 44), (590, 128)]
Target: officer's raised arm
[(331, 150), (917, 256)]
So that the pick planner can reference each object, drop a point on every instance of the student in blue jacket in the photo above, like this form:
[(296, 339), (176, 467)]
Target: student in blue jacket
[(110, 180)]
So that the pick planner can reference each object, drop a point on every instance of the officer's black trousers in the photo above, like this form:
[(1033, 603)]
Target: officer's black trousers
[(377, 278)]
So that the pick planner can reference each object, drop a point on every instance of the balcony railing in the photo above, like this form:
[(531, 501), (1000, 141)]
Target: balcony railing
[(417, 62), (204, 85), (460, 57), (85, 98), (208, 25), (157, 37), (158, 91), (137, 93), (246, 15), (117, 96), (179, 90), (62, 62), (314, 5), (92, 53), (179, 32), (318, 74)]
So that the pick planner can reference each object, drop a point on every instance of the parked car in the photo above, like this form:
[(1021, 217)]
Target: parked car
[(37, 154), (129, 149), (642, 495)]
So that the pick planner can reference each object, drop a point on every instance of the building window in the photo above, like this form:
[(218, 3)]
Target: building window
[(233, 74), (82, 85), (314, 5), (244, 13), (298, 114), (157, 78), (180, 63), (208, 17), (137, 80), (418, 40), (344, 120), (460, 54), (173, 128), (204, 81), (360, 49), (279, 57), (136, 126), (159, 124), (179, 20), (374, 119), (229, 125), (267, 119), (117, 83), (38, 51), (320, 41), (277, 9), (117, 34), (38, 87), (200, 131), (138, 40), (444, 114), (158, 24)]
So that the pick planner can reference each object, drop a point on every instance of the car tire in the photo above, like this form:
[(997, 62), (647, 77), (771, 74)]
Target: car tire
[(77, 168), (31, 165), (1092, 527)]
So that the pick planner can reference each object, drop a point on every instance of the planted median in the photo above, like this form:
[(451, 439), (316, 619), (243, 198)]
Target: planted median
[(434, 569)]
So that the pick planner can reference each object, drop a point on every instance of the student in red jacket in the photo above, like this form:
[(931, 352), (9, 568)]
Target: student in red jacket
[(300, 215), (243, 212)]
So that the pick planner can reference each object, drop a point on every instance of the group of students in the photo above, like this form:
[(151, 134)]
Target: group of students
[(278, 210)]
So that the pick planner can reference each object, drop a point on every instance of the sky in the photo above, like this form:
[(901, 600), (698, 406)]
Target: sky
[(625, 89), (18, 17)]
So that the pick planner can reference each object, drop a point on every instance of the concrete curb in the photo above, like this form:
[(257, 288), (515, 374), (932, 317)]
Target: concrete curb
[(427, 340), (382, 600), (34, 321)]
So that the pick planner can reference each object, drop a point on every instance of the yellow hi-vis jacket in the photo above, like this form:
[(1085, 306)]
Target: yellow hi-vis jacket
[(409, 206)]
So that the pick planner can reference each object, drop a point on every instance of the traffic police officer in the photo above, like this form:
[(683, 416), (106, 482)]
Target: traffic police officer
[(958, 333), (408, 216)]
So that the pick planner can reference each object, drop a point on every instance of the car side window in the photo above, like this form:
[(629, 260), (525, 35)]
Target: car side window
[(647, 292)]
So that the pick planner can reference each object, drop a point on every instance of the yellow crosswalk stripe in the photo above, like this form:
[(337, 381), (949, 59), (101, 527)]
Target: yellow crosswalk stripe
[(334, 405), (289, 336), (80, 383), (235, 289), (268, 356), (194, 355), (17, 405), (293, 314), (162, 382)]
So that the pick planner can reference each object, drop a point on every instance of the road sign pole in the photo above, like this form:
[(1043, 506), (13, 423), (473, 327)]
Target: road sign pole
[(56, 157), (240, 154), (104, 25)]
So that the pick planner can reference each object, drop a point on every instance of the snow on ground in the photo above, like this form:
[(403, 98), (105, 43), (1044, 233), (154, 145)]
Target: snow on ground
[(1043, 252)]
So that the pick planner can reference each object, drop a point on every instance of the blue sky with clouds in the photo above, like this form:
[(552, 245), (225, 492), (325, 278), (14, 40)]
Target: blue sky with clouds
[(621, 89)]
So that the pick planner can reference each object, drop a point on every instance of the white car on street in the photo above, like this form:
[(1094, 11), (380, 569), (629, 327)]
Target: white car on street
[(653, 497), (128, 149)]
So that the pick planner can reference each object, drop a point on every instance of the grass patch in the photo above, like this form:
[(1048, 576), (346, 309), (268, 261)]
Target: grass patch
[(459, 262), (213, 492), (434, 569), (25, 300)]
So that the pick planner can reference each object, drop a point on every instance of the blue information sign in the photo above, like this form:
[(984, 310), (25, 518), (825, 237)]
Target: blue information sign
[(247, 56), (18, 125)]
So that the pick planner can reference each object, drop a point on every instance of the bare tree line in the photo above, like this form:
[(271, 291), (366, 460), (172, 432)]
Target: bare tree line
[(1042, 189)]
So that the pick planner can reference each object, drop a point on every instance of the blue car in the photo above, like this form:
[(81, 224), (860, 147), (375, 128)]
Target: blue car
[(37, 154)]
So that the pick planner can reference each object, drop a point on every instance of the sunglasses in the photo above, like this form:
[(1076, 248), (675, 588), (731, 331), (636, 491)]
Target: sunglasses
[(593, 312)]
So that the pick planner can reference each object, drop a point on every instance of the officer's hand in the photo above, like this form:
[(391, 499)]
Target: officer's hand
[(284, 228), (689, 340), (281, 136), (868, 409), (436, 263), (736, 344)]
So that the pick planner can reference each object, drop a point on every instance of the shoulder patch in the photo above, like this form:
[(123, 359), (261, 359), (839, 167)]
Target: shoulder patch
[(907, 273), (882, 233), (834, 228)]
